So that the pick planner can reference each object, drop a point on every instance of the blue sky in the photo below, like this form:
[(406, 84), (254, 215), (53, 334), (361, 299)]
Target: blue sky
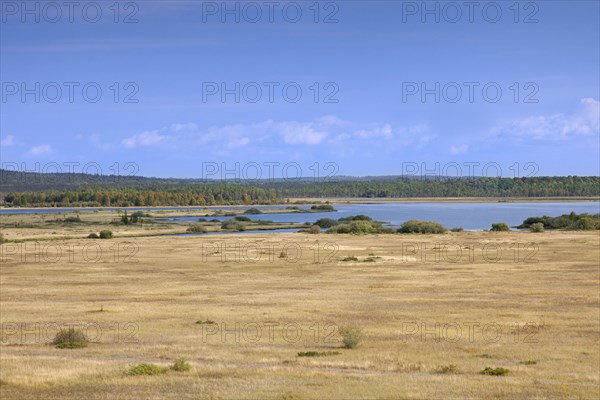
[(362, 69)]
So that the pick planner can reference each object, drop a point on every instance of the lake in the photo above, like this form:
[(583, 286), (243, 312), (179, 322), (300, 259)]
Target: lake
[(470, 216)]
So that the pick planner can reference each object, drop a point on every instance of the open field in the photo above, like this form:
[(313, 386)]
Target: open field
[(522, 301)]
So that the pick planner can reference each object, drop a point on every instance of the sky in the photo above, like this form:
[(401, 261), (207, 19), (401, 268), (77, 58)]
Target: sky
[(268, 89)]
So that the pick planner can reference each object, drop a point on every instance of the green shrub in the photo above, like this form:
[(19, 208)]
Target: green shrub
[(253, 211), (145, 369), (323, 207), (326, 222), (351, 335), (72, 219), (361, 227), (70, 339), (537, 227), (93, 236), (106, 234), (342, 228), (359, 217), (458, 229), (181, 365), (415, 226), (500, 227), (315, 229), (196, 229), (201, 219), (350, 258), (242, 219), (494, 371), (570, 221), (233, 225)]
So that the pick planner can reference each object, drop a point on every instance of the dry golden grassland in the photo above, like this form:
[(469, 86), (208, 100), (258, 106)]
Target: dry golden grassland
[(521, 301)]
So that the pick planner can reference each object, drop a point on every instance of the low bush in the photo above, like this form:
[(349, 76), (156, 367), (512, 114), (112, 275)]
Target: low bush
[(70, 339), (359, 217), (145, 369), (106, 234), (349, 258), (181, 365), (415, 226), (322, 207), (232, 225), (500, 227), (458, 229), (196, 229), (315, 229), (242, 219), (253, 211), (72, 219), (326, 222), (351, 335), (499, 371), (537, 227), (93, 236)]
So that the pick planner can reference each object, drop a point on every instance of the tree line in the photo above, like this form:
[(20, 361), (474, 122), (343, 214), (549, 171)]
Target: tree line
[(268, 192)]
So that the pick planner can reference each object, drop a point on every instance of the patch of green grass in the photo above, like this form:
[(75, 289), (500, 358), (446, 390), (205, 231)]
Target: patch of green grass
[(349, 258), (318, 353), (498, 371), (181, 365), (145, 369)]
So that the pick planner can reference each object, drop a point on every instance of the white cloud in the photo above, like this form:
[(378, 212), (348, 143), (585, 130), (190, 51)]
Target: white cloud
[(241, 142), (456, 150), (190, 126), (8, 141), (95, 139), (300, 133), (41, 149), (557, 127), (147, 138)]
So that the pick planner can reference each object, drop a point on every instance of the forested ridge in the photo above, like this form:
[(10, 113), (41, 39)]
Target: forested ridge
[(37, 190)]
